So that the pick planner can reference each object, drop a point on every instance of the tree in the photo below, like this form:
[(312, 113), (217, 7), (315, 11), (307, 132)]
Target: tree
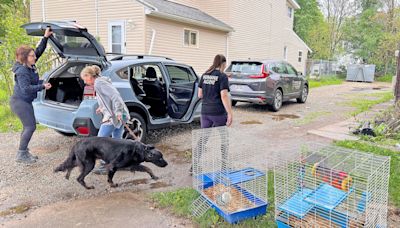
[(310, 25), (337, 11)]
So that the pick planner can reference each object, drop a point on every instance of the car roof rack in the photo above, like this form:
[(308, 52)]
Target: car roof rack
[(119, 56)]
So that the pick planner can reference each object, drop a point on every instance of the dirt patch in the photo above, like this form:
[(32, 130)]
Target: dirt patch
[(177, 156), (136, 182), (15, 210), (251, 122), (44, 149), (393, 216), (159, 184), (280, 117)]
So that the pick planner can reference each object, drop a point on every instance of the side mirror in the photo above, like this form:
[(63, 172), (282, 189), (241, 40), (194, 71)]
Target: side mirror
[(299, 74)]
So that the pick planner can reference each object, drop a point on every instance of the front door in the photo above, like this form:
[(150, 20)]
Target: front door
[(296, 80), (181, 91), (116, 37)]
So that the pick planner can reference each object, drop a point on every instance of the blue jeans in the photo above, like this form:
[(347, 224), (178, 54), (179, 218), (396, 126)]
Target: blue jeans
[(108, 129)]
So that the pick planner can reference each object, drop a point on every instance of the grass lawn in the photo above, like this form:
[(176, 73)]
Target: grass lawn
[(324, 82), (385, 78), (364, 101)]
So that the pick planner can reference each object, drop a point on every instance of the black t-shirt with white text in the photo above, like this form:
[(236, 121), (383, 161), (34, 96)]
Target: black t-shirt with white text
[(212, 85)]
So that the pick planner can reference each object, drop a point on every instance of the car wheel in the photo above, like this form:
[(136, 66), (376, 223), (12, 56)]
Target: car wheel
[(304, 95), (234, 103), (278, 100), (65, 133), (138, 127)]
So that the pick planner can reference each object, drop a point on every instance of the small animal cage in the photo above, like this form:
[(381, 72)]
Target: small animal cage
[(327, 186), (225, 178)]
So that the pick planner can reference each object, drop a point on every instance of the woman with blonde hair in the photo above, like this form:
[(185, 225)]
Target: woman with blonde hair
[(111, 105)]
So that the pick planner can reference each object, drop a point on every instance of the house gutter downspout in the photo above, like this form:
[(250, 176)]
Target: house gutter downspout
[(96, 6), (43, 13), (153, 37)]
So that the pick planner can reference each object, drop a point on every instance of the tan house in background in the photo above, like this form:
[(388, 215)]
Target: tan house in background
[(189, 31)]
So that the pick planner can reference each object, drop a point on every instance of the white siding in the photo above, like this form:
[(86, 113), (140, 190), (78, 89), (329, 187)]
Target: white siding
[(169, 42), (84, 12)]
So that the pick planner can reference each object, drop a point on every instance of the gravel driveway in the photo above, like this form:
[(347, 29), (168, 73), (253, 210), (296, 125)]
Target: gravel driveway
[(256, 129)]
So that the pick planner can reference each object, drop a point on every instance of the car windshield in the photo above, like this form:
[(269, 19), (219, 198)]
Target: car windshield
[(245, 67)]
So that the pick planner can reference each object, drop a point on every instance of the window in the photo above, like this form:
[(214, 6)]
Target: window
[(285, 53), (116, 37), (180, 74), (123, 73), (191, 38), (290, 69), (245, 67), (279, 68), (300, 56), (290, 12)]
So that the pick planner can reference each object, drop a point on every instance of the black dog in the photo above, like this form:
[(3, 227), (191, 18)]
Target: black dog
[(117, 153)]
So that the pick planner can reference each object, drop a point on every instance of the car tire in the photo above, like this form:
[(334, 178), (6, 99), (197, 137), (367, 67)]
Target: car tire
[(65, 133), (139, 127), (234, 103), (278, 101), (304, 95)]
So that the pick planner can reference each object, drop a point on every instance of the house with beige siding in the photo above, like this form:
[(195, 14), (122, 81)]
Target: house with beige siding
[(189, 31)]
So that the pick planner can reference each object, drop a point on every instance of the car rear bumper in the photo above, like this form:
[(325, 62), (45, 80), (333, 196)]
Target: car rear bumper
[(254, 97), (68, 120)]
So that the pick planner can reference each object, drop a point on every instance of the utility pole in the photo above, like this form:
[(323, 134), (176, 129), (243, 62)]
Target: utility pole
[(397, 87)]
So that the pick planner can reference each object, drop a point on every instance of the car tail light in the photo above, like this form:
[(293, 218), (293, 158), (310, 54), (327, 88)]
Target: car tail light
[(263, 74), (83, 131), (89, 93)]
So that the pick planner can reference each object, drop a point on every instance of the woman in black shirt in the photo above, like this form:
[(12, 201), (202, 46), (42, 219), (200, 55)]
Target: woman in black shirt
[(216, 109)]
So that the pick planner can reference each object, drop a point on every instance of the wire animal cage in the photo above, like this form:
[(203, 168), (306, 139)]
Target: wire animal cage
[(327, 186), (225, 178)]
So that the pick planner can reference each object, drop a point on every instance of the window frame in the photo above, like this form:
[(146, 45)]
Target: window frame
[(290, 11), (191, 31), (300, 57), (123, 35), (189, 70)]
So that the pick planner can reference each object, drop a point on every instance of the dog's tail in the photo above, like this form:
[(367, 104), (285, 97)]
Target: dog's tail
[(69, 163)]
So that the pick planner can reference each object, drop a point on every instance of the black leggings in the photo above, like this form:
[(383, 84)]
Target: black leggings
[(24, 111)]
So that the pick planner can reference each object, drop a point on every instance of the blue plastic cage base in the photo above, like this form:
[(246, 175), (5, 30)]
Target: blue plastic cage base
[(260, 207), (229, 178), (322, 202), (232, 179)]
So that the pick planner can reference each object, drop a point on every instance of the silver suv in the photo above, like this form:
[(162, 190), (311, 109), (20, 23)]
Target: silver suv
[(158, 91), (266, 82)]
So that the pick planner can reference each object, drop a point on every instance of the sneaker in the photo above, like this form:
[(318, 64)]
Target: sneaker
[(31, 155), (23, 157)]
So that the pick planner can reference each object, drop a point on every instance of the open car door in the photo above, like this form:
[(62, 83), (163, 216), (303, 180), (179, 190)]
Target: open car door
[(182, 92)]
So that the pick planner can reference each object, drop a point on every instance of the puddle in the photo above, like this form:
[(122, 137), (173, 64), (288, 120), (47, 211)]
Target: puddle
[(15, 210), (159, 184), (251, 122), (280, 117)]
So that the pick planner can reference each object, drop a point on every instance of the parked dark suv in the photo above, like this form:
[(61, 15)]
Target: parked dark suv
[(158, 91), (266, 82)]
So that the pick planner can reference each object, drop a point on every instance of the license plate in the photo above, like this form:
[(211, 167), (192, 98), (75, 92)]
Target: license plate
[(238, 87)]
